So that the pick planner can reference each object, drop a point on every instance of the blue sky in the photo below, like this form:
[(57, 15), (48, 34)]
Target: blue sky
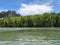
[(26, 7)]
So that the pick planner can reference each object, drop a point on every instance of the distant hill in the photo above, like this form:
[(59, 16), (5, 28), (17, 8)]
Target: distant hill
[(8, 13)]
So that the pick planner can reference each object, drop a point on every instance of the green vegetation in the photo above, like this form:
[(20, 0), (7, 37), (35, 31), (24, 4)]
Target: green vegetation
[(37, 20)]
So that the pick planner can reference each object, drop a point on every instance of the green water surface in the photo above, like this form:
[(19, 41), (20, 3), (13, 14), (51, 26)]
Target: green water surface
[(30, 37)]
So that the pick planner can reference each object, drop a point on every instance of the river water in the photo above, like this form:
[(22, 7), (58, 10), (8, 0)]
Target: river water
[(30, 37)]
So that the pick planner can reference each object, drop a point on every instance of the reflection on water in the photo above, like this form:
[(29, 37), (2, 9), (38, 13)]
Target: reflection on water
[(43, 42), (30, 37)]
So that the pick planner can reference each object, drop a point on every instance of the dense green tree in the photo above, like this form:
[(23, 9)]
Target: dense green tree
[(37, 20)]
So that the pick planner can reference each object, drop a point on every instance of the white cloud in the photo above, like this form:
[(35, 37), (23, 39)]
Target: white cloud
[(27, 9)]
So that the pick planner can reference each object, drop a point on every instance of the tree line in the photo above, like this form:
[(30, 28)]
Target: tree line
[(36, 20)]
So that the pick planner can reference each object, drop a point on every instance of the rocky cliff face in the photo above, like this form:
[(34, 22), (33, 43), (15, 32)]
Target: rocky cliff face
[(8, 13)]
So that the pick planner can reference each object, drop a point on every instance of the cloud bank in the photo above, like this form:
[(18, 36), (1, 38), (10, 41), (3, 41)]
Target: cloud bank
[(36, 7), (26, 9)]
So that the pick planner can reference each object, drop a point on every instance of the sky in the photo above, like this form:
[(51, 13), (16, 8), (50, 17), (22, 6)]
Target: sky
[(29, 7)]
